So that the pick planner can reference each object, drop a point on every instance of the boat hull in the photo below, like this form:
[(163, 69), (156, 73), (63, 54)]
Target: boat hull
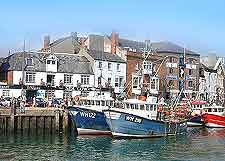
[(89, 122), (127, 125), (214, 121), (195, 121)]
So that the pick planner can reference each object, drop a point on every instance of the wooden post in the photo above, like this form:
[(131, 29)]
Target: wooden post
[(19, 124), (65, 121), (57, 116), (27, 122), (11, 124), (33, 124)]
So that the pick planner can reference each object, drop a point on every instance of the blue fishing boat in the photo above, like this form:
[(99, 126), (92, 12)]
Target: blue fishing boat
[(140, 119), (88, 117)]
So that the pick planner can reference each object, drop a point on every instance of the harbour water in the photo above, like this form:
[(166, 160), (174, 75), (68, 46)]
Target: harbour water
[(200, 144)]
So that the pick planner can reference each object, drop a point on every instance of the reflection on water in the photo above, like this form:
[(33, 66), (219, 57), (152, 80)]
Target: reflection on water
[(199, 144)]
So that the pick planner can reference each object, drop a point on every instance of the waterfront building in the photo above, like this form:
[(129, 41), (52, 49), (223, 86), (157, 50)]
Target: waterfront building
[(179, 69), (109, 68), (142, 76), (212, 83), (55, 74)]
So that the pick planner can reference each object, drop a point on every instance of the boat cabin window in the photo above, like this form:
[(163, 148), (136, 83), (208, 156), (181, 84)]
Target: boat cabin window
[(88, 102), (132, 106), (142, 107), (92, 102), (215, 110), (128, 106), (97, 103), (136, 106), (147, 108), (209, 110), (220, 109), (85, 102), (103, 103)]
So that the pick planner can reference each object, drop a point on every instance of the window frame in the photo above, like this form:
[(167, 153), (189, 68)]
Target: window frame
[(109, 66), (85, 79), (147, 65), (116, 81), (29, 59), (68, 79), (190, 84), (118, 67), (190, 72), (100, 65), (136, 81), (30, 77), (171, 70), (190, 60)]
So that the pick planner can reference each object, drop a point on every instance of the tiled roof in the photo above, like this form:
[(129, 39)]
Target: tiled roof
[(105, 56), (59, 40), (67, 63), (163, 46)]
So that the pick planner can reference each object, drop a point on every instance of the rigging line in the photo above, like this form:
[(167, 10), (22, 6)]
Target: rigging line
[(148, 53), (130, 82)]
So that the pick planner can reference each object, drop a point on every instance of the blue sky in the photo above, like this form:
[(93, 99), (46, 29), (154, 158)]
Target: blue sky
[(196, 24)]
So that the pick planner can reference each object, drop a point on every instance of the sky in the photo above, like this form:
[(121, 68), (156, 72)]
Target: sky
[(195, 24)]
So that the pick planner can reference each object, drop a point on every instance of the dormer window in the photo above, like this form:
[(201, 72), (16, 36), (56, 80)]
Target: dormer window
[(51, 62), (29, 61)]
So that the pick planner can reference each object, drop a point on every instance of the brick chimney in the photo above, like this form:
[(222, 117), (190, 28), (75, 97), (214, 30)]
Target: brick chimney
[(114, 42), (46, 42), (82, 42)]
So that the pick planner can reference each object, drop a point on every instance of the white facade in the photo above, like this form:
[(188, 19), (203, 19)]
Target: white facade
[(17, 75), (113, 73), (208, 85), (6, 92)]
